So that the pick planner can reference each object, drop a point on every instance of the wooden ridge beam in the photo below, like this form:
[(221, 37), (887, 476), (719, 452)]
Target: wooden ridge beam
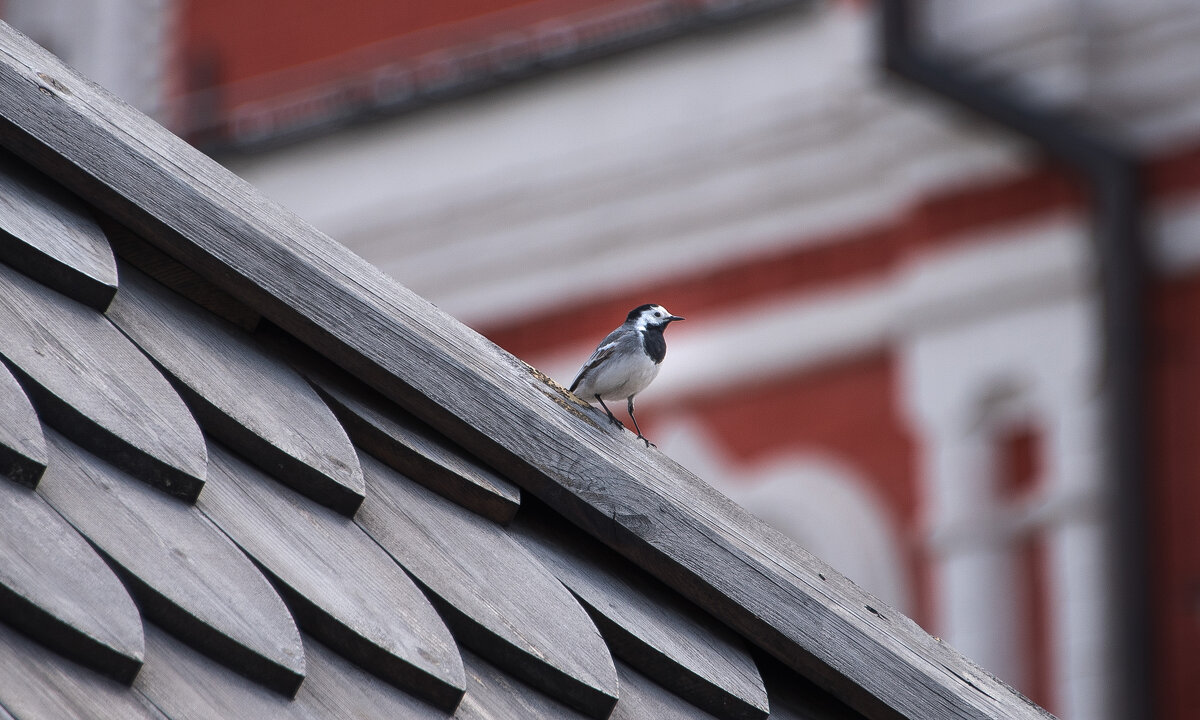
[(637, 500)]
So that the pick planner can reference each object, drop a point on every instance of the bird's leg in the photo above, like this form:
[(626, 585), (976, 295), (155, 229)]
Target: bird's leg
[(635, 425), (611, 417)]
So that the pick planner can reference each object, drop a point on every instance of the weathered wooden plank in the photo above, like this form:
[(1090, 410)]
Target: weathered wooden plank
[(37, 684), (341, 586), (187, 576), (57, 590), (91, 384), (412, 447), (48, 234), (636, 500), (244, 397), (647, 626), (22, 446), (498, 599)]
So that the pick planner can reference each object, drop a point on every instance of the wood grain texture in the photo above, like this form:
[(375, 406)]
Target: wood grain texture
[(497, 598), (412, 447), (188, 686), (241, 395), (642, 699), (794, 698), (494, 695), (338, 688), (37, 684), (57, 590), (186, 575), (135, 251), (649, 627), (635, 499), (48, 234), (94, 386), (22, 445), (341, 587)]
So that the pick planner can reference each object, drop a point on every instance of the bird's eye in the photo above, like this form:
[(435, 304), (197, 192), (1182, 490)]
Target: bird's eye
[(657, 314)]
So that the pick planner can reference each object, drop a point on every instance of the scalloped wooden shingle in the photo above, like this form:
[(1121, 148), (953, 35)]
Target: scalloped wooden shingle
[(649, 627), (340, 585), (408, 445), (37, 684), (185, 573), (499, 600), (89, 382), (48, 234), (56, 588), (244, 397), (22, 445), (642, 699)]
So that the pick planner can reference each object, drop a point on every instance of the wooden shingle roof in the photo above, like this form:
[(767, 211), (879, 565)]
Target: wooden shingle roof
[(247, 475)]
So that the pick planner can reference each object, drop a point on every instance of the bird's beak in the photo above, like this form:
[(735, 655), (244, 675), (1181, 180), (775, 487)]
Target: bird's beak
[(673, 318)]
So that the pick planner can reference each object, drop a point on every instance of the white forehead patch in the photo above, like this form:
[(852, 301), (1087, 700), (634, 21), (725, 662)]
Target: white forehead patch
[(651, 316)]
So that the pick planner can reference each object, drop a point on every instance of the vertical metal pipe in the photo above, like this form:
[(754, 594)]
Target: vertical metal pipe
[(1116, 204)]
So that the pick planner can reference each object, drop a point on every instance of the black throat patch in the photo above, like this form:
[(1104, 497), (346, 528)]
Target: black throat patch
[(654, 343)]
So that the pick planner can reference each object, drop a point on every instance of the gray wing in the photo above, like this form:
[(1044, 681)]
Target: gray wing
[(604, 350)]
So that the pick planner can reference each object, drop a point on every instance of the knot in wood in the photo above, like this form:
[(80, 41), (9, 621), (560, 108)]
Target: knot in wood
[(53, 85)]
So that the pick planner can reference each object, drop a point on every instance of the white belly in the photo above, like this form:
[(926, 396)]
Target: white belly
[(617, 381)]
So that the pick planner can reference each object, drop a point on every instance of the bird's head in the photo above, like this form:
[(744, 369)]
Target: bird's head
[(648, 316)]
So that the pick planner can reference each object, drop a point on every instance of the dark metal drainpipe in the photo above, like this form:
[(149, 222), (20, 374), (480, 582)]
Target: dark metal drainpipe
[(1115, 194)]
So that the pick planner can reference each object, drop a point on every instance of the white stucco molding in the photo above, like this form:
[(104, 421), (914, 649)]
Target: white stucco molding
[(815, 499)]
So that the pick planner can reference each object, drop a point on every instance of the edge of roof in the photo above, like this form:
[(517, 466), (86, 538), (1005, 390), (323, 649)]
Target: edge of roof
[(636, 500)]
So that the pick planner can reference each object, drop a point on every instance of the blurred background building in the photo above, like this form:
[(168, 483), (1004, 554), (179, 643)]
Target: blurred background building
[(896, 343)]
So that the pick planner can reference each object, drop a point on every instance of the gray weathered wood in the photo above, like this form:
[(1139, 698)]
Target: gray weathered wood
[(649, 627), (57, 590), (190, 687), (341, 586), (244, 397), (338, 688), (637, 500), (187, 576), (499, 600), (415, 449), (22, 446), (493, 695), (93, 385), (642, 699), (795, 698), (135, 251), (37, 684), (48, 234)]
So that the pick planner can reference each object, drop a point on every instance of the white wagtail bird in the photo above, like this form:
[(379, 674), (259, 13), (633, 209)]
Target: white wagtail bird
[(626, 361)]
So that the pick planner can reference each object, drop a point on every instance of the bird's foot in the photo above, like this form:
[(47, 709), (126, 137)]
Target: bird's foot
[(613, 419), (648, 443)]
